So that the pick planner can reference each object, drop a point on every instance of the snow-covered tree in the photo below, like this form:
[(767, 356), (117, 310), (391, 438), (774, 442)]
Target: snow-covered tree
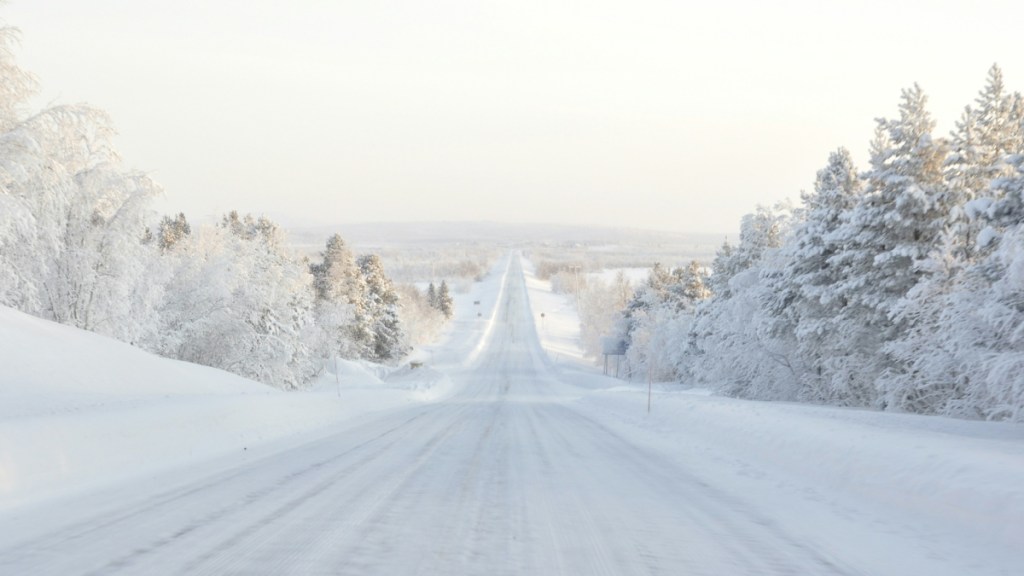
[(387, 340), (656, 321), (432, 295), (172, 230), (238, 301), (800, 301), (421, 321), (984, 136), (17, 86), (340, 301), (445, 304), (737, 348), (74, 219), (601, 307), (965, 349), (887, 242)]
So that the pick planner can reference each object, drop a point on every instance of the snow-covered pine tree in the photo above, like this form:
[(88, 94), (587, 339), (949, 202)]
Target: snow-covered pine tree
[(800, 298), (736, 349), (887, 241), (722, 270), (172, 230), (336, 276), (965, 350), (432, 296), (444, 301), (381, 303), (694, 282), (950, 339), (984, 136), (340, 302)]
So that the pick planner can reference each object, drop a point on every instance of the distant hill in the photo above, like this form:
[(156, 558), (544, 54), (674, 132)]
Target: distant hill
[(392, 233)]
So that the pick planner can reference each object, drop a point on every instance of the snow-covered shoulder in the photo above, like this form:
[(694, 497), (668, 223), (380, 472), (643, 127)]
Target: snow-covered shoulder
[(79, 410)]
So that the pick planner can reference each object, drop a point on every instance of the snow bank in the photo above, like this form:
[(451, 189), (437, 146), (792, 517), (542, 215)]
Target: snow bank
[(79, 410)]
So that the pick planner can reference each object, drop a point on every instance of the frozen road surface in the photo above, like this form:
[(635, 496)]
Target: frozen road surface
[(507, 476)]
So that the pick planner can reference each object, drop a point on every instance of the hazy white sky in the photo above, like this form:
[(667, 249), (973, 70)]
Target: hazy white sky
[(650, 113)]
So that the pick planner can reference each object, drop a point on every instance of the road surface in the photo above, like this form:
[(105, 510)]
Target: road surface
[(504, 477)]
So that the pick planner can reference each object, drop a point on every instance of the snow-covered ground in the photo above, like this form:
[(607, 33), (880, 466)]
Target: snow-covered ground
[(557, 322), (897, 481), (505, 453), (80, 411)]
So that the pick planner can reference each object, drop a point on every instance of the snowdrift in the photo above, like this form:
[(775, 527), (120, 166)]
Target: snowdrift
[(79, 410)]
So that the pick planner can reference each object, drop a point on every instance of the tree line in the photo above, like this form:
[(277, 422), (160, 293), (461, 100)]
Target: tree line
[(900, 287)]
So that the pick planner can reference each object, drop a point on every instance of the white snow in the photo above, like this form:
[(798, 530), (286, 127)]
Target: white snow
[(503, 454), (890, 478), (80, 411)]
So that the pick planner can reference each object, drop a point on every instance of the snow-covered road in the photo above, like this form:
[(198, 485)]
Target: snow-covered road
[(507, 476)]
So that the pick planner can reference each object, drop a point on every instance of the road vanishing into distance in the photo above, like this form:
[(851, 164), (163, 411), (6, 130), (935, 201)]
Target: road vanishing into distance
[(505, 476)]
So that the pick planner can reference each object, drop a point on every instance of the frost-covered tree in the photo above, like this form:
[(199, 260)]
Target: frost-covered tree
[(17, 86), (336, 276), (387, 340), (238, 301), (432, 295), (656, 321), (899, 219), (340, 301), (73, 219), (737, 348), (800, 301), (421, 321), (965, 350), (887, 241), (902, 288), (172, 230), (984, 136), (951, 335), (445, 304)]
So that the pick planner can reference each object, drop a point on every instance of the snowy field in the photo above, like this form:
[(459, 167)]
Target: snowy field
[(505, 453)]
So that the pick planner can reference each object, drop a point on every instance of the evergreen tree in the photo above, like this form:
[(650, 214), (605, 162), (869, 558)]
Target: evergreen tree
[(983, 138), (381, 304), (340, 301), (444, 301), (432, 296), (721, 270), (737, 348), (801, 299), (337, 277), (887, 240), (172, 231)]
